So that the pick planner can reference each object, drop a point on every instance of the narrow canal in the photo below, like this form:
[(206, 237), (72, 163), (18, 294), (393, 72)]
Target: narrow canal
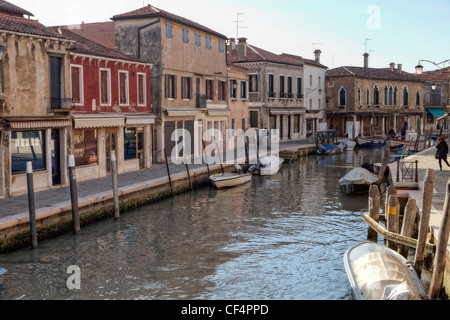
[(278, 238)]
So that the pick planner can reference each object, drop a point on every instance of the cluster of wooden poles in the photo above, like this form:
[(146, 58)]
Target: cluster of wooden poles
[(400, 240)]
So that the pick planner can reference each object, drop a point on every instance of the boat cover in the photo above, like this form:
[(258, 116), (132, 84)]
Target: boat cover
[(358, 176), (382, 276)]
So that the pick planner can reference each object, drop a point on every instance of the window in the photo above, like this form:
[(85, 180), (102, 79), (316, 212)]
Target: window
[(289, 88), (253, 83), (310, 80), (376, 96), (405, 97), (222, 87), (169, 32), (77, 85), (395, 96), (56, 82), (185, 35), (272, 93), (342, 98), (198, 41), (282, 87), (386, 96), (85, 147), (221, 45), (244, 124), (134, 144), (296, 124), (233, 89), (105, 87), (368, 97), (254, 119), (208, 41), (359, 97), (123, 88), (209, 90), (186, 88), (233, 125), (141, 89), (418, 99), (299, 88), (244, 90), (171, 86), (27, 146), (391, 96)]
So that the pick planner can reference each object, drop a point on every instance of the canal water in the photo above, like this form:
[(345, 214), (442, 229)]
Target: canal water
[(277, 238)]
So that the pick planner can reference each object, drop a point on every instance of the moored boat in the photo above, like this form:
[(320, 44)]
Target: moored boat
[(2, 274), (229, 180), (364, 142), (376, 272), (358, 180), (329, 149), (270, 165)]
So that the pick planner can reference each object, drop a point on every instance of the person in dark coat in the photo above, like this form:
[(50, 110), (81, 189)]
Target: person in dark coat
[(404, 129), (442, 151)]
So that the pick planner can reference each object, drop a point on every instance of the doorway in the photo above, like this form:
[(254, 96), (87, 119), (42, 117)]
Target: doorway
[(110, 137), (56, 157)]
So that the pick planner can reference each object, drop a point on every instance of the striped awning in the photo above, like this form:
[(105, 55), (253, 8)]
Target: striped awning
[(86, 123), (39, 124)]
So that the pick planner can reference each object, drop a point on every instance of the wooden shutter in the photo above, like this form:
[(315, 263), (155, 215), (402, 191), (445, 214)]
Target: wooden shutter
[(76, 92)]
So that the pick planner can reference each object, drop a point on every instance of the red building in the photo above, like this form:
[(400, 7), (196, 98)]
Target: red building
[(111, 109)]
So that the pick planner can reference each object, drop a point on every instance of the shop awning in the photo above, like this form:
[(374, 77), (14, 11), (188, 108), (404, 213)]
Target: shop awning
[(437, 113)]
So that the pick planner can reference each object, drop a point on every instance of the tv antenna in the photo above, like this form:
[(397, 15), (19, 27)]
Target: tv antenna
[(366, 44), (237, 24)]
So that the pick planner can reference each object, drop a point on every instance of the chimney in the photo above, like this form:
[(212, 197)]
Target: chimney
[(317, 55), (400, 68), (242, 48), (392, 66), (366, 60), (232, 44)]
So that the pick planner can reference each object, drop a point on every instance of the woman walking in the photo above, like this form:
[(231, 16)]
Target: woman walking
[(442, 151)]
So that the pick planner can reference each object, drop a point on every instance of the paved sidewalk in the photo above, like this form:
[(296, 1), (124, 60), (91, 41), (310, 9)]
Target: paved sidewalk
[(15, 208)]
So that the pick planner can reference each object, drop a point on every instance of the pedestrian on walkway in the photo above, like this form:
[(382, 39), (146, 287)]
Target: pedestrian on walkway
[(442, 151), (404, 129)]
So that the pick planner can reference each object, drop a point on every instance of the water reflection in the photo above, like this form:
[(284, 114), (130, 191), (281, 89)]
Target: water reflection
[(280, 237)]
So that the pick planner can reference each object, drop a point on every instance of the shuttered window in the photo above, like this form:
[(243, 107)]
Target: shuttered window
[(169, 32), (198, 41), (171, 86), (208, 41), (77, 85), (123, 88), (142, 94), (186, 89), (105, 87), (185, 35)]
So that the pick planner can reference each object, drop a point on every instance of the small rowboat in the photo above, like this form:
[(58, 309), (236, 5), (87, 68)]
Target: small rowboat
[(367, 142), (270, 165), (376, 272), (229, 180), (2, 274)]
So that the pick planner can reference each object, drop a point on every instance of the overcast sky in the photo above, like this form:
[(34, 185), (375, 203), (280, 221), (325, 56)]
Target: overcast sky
[(400, 31)]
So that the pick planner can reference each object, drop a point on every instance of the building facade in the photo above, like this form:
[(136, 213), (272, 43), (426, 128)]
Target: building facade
[(370, 101), (276, 89), (35, 102), (189, 78), (111, 109)]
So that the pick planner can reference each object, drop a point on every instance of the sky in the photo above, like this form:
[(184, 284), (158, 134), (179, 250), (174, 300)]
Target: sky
[(399, 31)]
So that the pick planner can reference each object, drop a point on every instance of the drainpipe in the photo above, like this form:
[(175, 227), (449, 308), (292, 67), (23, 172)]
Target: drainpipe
[(139, 36)]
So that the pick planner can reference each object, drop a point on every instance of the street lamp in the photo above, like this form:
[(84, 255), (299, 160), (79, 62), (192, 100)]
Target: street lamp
[(419, 67)]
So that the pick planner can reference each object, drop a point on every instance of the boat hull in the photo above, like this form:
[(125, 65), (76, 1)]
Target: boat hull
[(230, 180), (271, 166), (358, 180), (367, 142), (374, 270)]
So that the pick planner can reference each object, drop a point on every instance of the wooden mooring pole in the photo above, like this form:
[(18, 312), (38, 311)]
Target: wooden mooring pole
[(424, 221), (441, 250), (374, 211), (31, 206), (115, 186), (409, 219), (393, 219), (168, 172), (74, 195)]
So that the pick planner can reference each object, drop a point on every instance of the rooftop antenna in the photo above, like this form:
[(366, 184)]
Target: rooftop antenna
[(366, 44), (237, 24)]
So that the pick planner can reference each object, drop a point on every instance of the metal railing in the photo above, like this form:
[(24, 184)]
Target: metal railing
[(409, 171)]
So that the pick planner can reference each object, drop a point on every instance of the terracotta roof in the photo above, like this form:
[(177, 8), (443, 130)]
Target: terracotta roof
[(27, 26), (153, 12), (11, 8), (372, 73), (255, 54), (100, 32), (305, 61), (88, 47), (436, 75)]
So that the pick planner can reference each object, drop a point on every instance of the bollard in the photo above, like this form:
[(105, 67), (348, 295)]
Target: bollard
[(374, 211), (31, 206), (393, 219), (115, 186), (74, 195)]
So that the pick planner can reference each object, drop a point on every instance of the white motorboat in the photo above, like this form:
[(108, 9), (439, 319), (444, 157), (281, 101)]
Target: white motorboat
[(229, 180), (376, 272), (358, 180), (270, 165)]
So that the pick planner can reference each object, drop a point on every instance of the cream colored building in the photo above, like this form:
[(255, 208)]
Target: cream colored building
[(35, 103), (189, 78)]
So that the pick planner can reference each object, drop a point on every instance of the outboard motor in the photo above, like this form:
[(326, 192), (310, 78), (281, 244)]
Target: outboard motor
[(238, 169)]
